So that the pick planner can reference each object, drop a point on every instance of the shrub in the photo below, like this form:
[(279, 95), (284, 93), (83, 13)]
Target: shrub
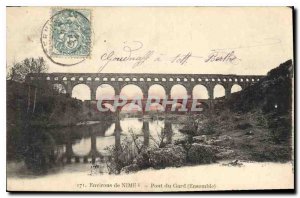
[(170, 156), (39, 150), (166, 157), (121, 157), (209, 127), (280, 128), (142, 160), (262, 120), (201, 154)]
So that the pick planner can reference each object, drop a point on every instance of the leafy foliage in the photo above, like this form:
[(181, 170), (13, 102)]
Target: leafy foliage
[(19, 70), (201, 154)]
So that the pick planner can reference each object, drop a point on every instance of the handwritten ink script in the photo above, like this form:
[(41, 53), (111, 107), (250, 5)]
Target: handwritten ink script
[(134, 54)]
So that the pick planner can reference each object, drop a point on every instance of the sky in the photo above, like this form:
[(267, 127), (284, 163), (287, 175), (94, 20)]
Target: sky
[(258, 39)]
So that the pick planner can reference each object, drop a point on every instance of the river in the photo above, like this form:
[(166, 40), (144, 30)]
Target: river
[(86, 144)]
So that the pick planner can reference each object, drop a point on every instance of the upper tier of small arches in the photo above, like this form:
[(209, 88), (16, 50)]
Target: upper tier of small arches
[(149, 79)]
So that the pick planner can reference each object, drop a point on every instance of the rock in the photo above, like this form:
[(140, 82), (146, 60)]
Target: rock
[(201, 138), (201, 154), (223, 140), (167, 157), (225, 154), (243, 126), (224, 137), (182, 140)]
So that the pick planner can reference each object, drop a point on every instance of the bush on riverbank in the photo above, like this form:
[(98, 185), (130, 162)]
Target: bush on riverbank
[(170, 156), (121, 155), (130, 157), (39, 150), (201, 154)]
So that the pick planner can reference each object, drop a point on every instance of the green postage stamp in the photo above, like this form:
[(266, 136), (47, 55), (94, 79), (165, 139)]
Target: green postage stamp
[(70, 33)]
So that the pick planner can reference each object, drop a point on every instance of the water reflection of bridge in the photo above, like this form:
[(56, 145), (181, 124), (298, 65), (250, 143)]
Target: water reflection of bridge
[(93, 155)]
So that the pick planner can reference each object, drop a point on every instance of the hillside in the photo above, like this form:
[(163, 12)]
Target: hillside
[(254, 124), (272, 94)]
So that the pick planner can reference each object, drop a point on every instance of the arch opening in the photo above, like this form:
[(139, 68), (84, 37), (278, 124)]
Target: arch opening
[(157, 91), (235, 88), (219, 91), (105, 92), (82, 147), (179, 92), (81, 92), (200, 92), (131, 92)]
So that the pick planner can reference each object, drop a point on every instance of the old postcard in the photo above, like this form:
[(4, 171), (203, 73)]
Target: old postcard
[(149, 99)]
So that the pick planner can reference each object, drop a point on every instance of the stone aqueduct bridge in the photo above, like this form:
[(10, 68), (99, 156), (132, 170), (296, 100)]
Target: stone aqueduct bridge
[(145, 81)]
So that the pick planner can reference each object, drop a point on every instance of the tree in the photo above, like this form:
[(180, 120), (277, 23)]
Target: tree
[(19, 70)]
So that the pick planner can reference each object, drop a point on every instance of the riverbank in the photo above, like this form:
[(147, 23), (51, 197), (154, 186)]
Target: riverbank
[(189, 178)]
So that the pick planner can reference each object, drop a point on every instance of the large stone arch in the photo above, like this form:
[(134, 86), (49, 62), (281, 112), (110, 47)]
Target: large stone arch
[(131, 93), (200, 91), (219, 91), (175, 92), (155, 93), (81, 91), (105, 91)]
